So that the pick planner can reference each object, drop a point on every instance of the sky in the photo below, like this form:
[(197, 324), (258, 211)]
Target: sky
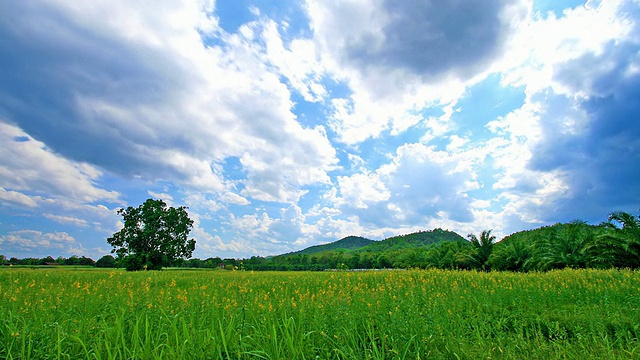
[(286, 124)]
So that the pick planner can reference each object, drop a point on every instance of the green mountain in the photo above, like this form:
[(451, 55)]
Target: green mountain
[(348, 243), (413, 240), (360, 244)]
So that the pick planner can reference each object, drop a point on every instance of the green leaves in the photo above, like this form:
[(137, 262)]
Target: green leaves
[(619, 246), (482, 249), (153, 235)]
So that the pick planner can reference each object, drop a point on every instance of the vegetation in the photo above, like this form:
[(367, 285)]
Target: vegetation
[(620, 246), (577, 245), (562, 291), (348, 243), (57, 313), (153, 235), (106, 261)]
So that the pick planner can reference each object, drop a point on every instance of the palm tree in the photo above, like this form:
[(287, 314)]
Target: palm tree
[(446, 254), (513, 255), (619, 246), (564, 247), (482, 249)]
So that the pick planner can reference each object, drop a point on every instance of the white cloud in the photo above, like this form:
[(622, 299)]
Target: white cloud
[(358, 190), (418, 185), (17, 198), (27, 166), (158, 92), (297, 61), (232, 198), (34, 243), (201, 204), (554, 154), (67, 220), (167, 198), (186, 106), (399, 58), (540, 44), (207, 243)]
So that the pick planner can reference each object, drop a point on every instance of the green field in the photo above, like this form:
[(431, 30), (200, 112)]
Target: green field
[(111, 314)]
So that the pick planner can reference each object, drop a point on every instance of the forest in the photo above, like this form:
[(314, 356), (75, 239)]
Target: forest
[(614, 243)]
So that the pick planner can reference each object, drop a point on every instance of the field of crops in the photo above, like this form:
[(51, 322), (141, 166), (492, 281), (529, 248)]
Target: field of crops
[(111, 314)]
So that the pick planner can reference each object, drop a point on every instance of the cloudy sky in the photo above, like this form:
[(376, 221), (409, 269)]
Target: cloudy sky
[(285, 124)]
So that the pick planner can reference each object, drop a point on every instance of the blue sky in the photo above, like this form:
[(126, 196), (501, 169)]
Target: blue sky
[(287, 124)]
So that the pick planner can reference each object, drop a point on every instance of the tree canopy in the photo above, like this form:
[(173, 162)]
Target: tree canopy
[(154, 234)]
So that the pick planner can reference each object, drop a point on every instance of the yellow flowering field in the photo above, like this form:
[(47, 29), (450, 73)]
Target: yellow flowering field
[(187, 314)]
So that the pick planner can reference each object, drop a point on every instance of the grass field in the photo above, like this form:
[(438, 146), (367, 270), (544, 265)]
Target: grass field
[(110, 314)]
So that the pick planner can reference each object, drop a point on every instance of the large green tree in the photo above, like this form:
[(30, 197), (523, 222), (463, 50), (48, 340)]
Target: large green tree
[(153, 234)]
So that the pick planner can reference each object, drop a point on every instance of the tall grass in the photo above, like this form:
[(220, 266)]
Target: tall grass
[(70, 314)]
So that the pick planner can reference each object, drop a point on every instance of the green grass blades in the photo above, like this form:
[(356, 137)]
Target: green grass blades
[(434, 314)]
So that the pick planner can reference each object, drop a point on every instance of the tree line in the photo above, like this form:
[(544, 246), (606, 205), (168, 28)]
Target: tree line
[(614, 243)]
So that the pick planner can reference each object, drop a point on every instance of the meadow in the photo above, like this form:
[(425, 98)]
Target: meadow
[(57, 313)]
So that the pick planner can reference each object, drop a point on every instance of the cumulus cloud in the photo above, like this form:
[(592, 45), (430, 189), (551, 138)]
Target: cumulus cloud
[(143, 96), (280, 135), (423, 38), (596, 147), (28, 167), (418, 184), (208, 243), (9, 197), (38, 244), (567, 152), (398, 58)]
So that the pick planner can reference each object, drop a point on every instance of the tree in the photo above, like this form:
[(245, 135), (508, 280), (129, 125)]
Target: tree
[(619, 246), (511, 255), (106, 261), (47, 260), (482, 249), (447, 254), (565, 246), (153, 235)]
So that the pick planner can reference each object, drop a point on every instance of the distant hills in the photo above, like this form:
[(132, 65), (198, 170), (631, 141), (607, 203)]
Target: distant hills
[(575, 245), (347, 243), (400, 242)]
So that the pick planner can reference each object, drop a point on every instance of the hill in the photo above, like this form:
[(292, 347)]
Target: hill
[(413, 240), (355, 252), (347, 243), (361, 244)]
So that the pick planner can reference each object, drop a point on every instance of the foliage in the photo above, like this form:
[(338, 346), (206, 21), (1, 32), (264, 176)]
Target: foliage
[(565, 246), (106, 261), (404, 251), (446, 255), (153, 235), (513, 255), (482, 248), (619, 246), (348, 243), (413, 240), (433, 314)]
